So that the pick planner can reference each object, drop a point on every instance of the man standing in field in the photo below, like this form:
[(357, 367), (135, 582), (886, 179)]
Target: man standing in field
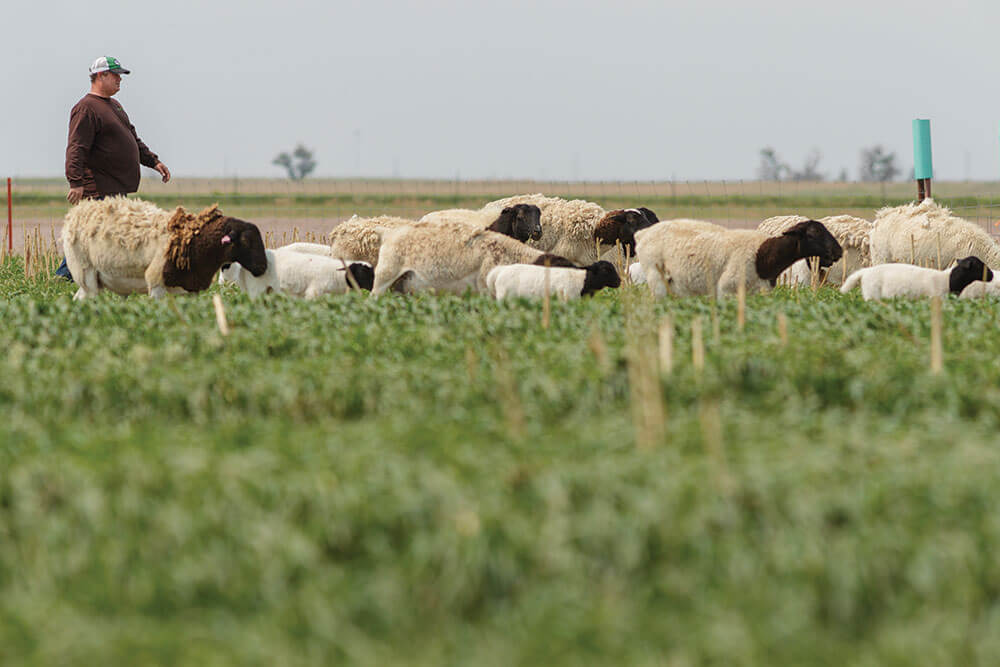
[(104, 152)]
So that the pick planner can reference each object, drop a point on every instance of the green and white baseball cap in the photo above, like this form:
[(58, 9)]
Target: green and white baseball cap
[(108, 64)]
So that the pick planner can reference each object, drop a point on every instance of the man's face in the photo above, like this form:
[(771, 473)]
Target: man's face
[(111, 82)]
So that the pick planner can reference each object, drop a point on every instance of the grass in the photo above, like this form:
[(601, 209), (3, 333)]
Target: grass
[(440, 480)]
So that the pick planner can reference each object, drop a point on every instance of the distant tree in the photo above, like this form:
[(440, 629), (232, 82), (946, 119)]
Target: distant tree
[(877, 166), (299, 164), (843, 177), (809, 171), (771, 168)]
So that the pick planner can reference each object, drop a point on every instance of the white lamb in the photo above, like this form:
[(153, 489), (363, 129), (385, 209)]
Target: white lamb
[(532, 280), (852, 233), (926, 234), (886, 281), (693, 257), (301, 274)]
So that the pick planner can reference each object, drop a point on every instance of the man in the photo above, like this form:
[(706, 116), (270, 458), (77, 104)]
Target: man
[(104, 152)]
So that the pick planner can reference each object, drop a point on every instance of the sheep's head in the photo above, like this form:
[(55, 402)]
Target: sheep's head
[(244, 244), (600, 274), (967, 270), (815, 240), (651, 218), (621, 226), (524, 221), (363, 274)]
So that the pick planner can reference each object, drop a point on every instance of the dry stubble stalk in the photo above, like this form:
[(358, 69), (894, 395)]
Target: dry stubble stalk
[(546, 306), (697, 345), (220, 315), (710, 420), (510, 400), (666, 344), (644, 373), (937, 347), (783, 328), (600, 350)]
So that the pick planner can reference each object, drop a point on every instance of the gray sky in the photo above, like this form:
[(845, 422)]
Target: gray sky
[(618, 90)]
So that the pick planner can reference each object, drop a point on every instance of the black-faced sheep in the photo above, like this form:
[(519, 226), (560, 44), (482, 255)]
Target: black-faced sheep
[(532, 280), (691, 257), (301, 274), (886, 281)]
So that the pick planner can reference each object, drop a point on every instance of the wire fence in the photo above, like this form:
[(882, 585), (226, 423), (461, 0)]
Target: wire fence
[(309, 209)]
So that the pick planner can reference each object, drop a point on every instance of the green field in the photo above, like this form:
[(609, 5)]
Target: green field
[(443, 480)]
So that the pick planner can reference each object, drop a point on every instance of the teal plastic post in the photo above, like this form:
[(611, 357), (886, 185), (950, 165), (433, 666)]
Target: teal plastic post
[(922, 163)]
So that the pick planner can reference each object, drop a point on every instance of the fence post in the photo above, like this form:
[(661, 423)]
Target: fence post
[(922, 163)]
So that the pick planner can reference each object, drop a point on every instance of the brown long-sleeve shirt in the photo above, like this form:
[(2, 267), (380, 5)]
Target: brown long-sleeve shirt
[(103, 153)]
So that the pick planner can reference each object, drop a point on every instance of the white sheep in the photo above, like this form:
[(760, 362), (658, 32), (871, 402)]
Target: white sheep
[(852, 233), (448, 256), (532, 280), (693, 257), (574, 228), (357, 239), (130, 245), (927, 234), (301, 274), (886, 281)]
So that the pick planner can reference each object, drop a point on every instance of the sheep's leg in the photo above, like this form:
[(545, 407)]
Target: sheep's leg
[(154, 278), (386, 274)]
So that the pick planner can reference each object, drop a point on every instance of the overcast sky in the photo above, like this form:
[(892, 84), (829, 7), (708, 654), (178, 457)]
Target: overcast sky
[(619, 90)]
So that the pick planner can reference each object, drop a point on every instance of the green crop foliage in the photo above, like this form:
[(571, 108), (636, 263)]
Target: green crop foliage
[(440, 480)]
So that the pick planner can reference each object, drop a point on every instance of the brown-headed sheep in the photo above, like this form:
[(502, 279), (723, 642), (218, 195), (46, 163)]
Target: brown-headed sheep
[(130, 245)]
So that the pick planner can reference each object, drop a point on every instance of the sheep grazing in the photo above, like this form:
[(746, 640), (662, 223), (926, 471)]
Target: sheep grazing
[(130, 245), (926, 234), (301, 274), (891, 280), (532, 280), (357, 239), (692, 257), (448, 256), (620, 226), (568, 226), (852, 233), (518, 221)]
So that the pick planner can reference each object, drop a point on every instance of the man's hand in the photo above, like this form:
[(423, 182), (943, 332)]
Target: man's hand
[(164, 172), (75, 195)]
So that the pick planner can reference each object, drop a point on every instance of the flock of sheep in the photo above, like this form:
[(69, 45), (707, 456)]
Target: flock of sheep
[(529, 246)]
